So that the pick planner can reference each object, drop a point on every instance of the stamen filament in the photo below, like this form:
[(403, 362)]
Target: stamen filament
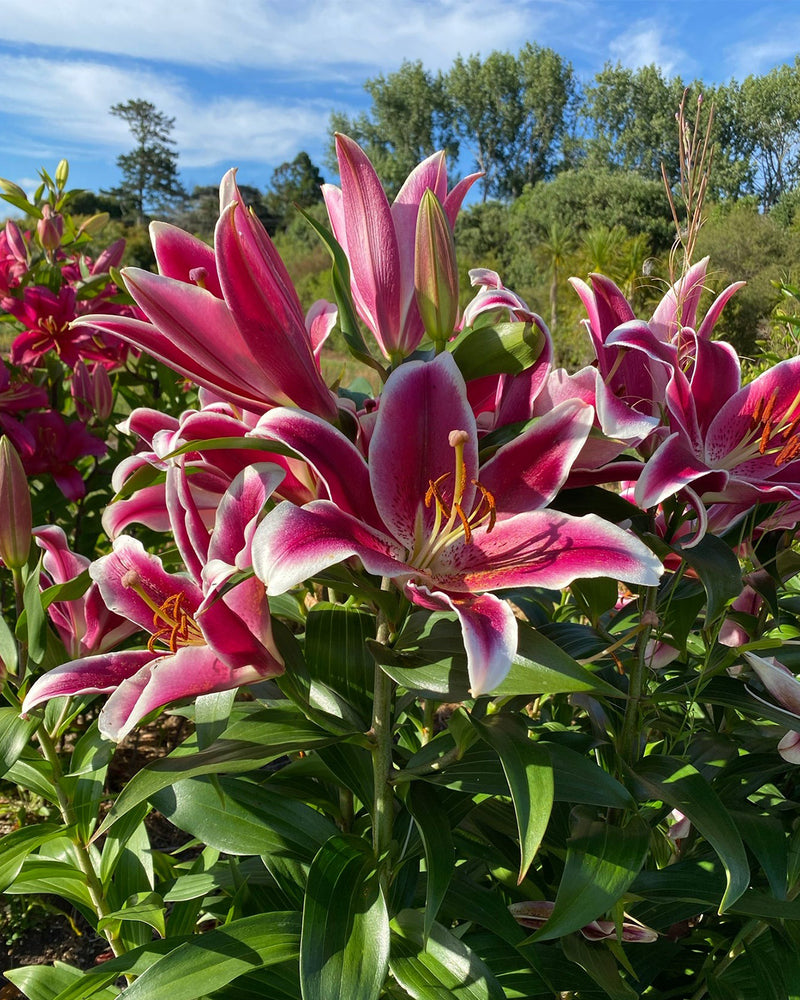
[(173, 626)]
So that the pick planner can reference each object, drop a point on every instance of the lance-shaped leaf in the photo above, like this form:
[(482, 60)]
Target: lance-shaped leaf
[(602, 861), (344, 949), (682, 787), (529, 774)]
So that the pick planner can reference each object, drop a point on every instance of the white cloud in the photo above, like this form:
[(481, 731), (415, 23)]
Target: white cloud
[(644, 44), (757, 58), (69, 101), (302, 37)]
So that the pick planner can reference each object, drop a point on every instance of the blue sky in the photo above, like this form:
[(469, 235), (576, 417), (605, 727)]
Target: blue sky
[(252, 82)]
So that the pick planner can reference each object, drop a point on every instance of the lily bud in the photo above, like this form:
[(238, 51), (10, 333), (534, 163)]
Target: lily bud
[(50, 228), (16, 517), (16, 242), (435, 270), (91, 392), (62, 173), (94, 224), (9, 187), (110, 257)]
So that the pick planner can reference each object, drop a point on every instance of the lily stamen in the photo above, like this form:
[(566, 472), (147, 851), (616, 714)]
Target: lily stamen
[(173, 626)]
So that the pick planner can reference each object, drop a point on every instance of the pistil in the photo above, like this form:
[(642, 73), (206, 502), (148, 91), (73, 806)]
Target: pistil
[(450, 520)]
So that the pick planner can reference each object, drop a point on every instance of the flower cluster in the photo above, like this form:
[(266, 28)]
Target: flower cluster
[(447, 485), (48, 280)]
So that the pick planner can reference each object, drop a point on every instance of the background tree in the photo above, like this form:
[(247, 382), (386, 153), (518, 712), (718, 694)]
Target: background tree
[(488, 112), (296, 182), (769, 117), (629, 119), (512, 112), (150, 171)]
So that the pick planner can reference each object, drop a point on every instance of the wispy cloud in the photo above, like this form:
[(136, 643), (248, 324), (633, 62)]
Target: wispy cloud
[(301, 37), (69, 102), (756, 58), (647, 43)]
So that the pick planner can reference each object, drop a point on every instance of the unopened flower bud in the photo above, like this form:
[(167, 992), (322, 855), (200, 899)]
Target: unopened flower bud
[(50, 228), (94, 224), (435, 270), (110, 257), (62, 173), (16, 517), (9, 187), (91, 392), (16, 242)]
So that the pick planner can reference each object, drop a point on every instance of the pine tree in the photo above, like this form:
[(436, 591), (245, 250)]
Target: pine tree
[(150, 171)]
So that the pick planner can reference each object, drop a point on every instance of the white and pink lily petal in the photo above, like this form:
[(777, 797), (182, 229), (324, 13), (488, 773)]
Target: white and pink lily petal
[(785, 689), (495, 299), (379, 240), (139, 682), (746, 450), (619, 425), (84, 624), (534, 914)]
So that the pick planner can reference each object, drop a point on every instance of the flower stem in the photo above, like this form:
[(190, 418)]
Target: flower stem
[(630, 735), (82, 856), (383, 809)]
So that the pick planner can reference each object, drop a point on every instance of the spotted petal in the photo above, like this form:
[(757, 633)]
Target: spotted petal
[(410, 448)]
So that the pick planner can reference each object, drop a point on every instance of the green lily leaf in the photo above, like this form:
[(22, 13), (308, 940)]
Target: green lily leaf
[(247, 745), (719, 571), (146, 908), (529, 774), (438, 966), (250, 819), (15, 735), (506, 348), (681, 786), (434, 829), (602, 861), (344, 948), (210, 961), (337, 655)]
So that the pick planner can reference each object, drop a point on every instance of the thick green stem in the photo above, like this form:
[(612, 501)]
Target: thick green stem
[(67, 811), (630, 735), (382, 746)]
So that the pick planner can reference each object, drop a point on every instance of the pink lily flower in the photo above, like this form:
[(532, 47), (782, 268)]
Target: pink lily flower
[(728, 445), (785, 689), (57, 446), (422, 512), (228, 318), (85, 625), (201, 640), (212, 470), (639, 378), (46, 317), (380, 239)]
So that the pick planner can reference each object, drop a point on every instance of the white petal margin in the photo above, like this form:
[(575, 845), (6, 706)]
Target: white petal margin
[(489, 629)]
